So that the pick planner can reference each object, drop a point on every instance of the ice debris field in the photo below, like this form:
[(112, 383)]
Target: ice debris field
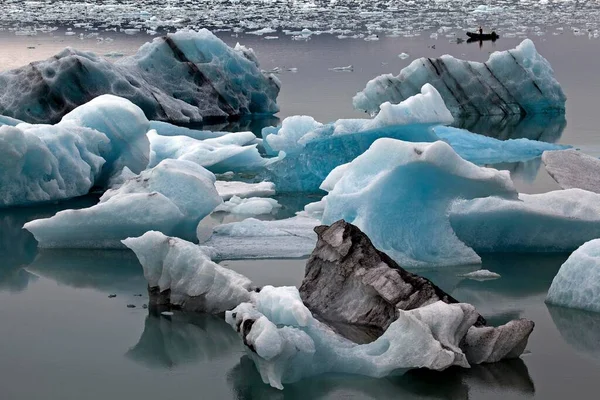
[(400, 190), (304, 18)]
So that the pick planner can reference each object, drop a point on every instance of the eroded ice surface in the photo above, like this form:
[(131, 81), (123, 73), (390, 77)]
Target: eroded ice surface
[(518, 81), (398, 193), (556, 221), (40, 163), (577, 283), (183, 77), (187, 276), (171, 198), (573, 169), (230, 152), (252, 238)]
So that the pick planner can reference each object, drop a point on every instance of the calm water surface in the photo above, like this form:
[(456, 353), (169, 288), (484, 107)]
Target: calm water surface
[(61, 337)]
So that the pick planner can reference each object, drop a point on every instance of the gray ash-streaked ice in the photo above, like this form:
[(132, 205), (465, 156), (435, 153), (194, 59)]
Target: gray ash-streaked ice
[(513, 82), (573, 169), (186, 77)]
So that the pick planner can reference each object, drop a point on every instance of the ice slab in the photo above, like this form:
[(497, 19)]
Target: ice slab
[(167, 129), (518, 81), (252, 238), (249, 206), (185, 276), (577, 283), (557, 221), (43, 163), (234, 152), (228, 189), (573, 169), (399, 194), (182, 77), (482, 275), (171, 198)]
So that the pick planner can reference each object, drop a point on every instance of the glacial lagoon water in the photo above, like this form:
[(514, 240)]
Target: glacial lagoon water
[(62, 337)]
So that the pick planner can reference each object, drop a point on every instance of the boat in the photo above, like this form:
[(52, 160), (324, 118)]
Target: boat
[(473, 36)]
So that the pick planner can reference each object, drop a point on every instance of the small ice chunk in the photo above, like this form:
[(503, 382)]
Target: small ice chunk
[(229, 189), (482, 275), (403, 56), (249, 206)]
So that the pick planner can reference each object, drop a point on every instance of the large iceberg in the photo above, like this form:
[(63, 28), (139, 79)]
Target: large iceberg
[(234, 152), (179, 273), (573, 169), (182, 77), (172, 198), (399, 194), (518, 81), (557, 221), (42, 163), (577, 283)]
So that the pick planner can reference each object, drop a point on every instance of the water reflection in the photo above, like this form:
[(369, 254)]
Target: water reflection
[(545, 128), (454, 383), (183, 338), (580, 329)]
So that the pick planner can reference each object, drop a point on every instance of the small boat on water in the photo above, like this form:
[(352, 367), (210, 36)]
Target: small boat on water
[(473, 36)]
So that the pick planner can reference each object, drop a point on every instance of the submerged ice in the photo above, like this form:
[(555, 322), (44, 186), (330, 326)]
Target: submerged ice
[(182, 77), (518, 81)]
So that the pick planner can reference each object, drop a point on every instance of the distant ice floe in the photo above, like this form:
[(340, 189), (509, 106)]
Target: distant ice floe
[(518, 81), (183, 77)]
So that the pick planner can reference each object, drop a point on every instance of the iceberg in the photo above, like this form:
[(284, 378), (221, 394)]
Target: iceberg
[(573, 169), (557, 221), (179, 273), (166, 129), (249, 206), (577, 283), (518, 81), (234, 152), (42, 163), (182, 77), (172, 198), (251, 238), (228, 189), (399, 194), (481, 275)]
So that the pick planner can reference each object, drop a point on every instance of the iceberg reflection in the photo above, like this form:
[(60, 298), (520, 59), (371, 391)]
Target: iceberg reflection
[(580, 329)]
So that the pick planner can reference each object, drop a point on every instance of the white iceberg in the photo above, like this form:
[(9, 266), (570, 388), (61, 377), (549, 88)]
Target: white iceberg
[(41, 163), (399, 194), (249, 206), (228, 189), (251, 238), (577, 283), (518, 81), (573, 169), (182, 77), (172, 198), (187, 276), (481, 275)]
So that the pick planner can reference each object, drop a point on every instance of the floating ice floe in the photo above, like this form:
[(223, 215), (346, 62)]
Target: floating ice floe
[(577, 283), (252, 238), (249, 206), (167, 129), (43, 163), (556, 221), (171, 198), (183, 77), (573, 169), (186, 276), (518, 81), (482, 275), (230, 152), (229, 189)]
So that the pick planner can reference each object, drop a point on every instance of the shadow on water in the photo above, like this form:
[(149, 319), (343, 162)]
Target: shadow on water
[(580, 329), (18, 247), (545, 128), (454, 383), (169, 341)]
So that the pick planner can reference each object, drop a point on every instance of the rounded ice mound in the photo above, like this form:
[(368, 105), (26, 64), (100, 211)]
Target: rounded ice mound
[(518, 81), (182, 77), (399, 194), (577, 284)]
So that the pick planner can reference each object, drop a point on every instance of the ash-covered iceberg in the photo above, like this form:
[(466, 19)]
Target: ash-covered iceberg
[(399, 194), (182, 77), (40, 163), (518, 81), (234, 152), (577, 283), (557, 221), (573, 169), (179, 273), (171, 198)]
